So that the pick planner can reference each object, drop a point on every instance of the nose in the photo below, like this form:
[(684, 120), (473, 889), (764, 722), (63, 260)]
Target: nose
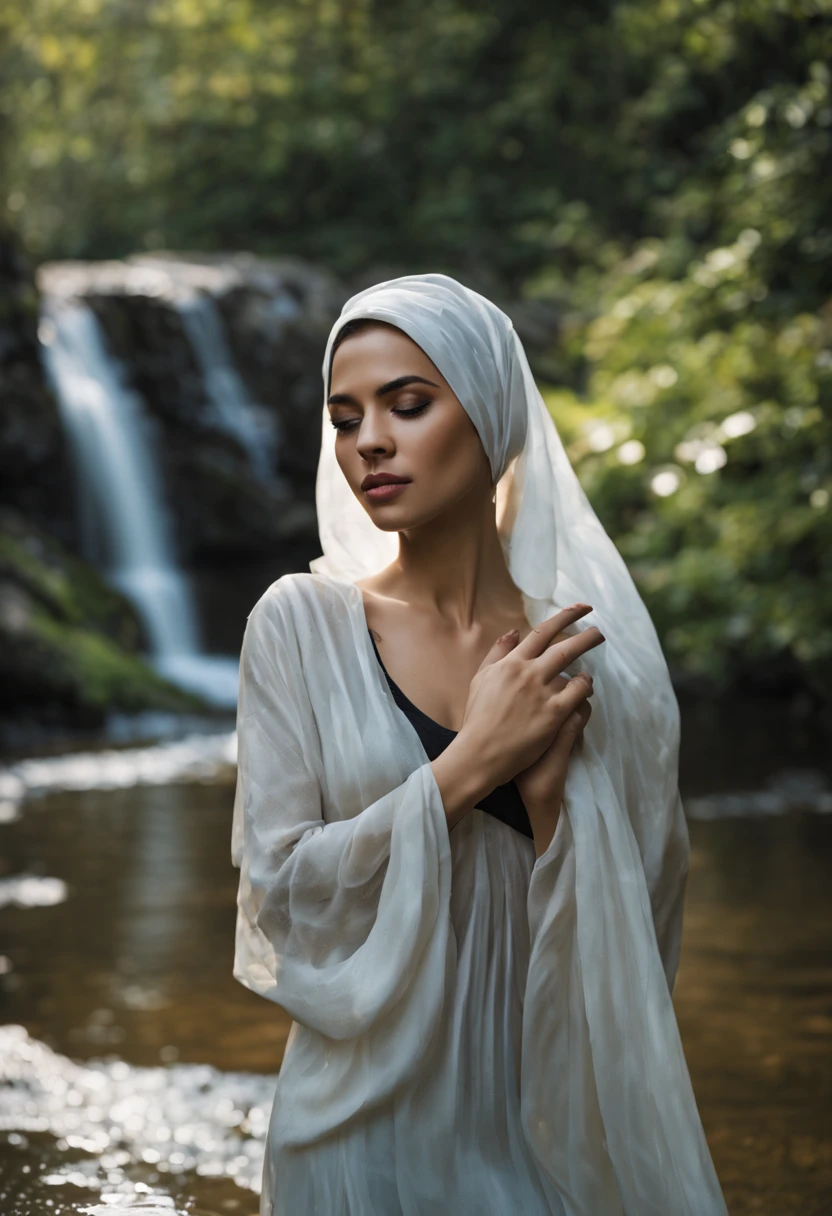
[(373, 439)]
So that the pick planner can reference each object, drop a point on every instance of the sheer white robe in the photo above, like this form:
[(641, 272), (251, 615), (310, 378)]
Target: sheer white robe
[(474, 1030)]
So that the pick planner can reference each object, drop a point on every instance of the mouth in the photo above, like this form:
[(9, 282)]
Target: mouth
[(383, 487)]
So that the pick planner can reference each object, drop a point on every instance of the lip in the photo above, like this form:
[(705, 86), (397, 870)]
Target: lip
[(386, 491), (383, 487), (382, 479)]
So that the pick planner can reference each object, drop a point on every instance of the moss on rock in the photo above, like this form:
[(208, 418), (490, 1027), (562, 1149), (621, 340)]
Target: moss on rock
[(69, 643)]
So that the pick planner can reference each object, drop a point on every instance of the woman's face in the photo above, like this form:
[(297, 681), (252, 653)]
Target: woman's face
[(394, 413)]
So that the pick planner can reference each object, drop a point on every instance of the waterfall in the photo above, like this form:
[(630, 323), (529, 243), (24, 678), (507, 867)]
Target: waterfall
[(123, 515), (234, 412)]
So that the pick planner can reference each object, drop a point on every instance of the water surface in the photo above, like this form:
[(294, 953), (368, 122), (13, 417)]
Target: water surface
[(139, 1074)]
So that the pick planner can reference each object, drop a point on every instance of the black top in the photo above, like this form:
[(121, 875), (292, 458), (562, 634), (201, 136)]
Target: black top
[(504, 802)]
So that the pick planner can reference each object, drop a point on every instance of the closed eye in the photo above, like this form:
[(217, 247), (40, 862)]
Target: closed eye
[(349, 424)]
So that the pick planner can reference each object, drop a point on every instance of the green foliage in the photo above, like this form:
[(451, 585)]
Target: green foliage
[(93, 672), (702, 353), (663, 168), (706, 447), (67, 588), (66, 638), (344, 130)]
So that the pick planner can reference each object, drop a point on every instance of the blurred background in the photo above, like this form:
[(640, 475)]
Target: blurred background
[(189, 190)]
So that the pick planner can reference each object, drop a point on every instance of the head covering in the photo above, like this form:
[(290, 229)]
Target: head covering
[(554, 543), (622, 849), (556, 549)]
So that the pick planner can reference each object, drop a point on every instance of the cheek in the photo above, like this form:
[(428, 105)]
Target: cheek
[(453, 454), (348, 462)]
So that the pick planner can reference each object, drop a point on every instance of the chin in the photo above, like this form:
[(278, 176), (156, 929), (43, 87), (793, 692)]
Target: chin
[(390, 521), (406, 521)]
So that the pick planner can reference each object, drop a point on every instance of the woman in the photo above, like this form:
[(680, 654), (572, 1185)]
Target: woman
[(473, 920)]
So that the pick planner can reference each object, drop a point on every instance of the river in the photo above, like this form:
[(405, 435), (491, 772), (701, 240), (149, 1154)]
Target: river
[(138, 1073)]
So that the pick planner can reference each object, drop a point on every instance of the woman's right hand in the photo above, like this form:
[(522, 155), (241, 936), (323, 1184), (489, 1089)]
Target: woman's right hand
[(516, 705)]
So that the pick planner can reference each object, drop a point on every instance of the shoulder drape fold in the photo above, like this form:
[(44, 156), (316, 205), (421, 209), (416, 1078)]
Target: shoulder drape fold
[(343, 922), (344, 919)]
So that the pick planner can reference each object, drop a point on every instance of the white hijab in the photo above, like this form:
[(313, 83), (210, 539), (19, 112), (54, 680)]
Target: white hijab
[(556, 549), (620, 854)]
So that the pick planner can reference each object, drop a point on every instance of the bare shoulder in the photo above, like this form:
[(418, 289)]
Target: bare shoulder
[(380, 585), (382, 603)]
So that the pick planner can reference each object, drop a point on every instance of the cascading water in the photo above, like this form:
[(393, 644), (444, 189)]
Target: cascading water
[(123, 514), (123, 519), (234, 412)]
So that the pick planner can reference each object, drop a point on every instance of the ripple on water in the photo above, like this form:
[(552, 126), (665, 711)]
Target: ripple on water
[(193, 759), (32, 891), (117, 1130), (798, 789)]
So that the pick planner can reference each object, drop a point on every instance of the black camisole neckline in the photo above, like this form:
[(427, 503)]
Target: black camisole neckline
[(504, 802)]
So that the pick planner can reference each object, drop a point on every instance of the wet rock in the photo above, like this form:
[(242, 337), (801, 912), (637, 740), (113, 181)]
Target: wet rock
[(68, 642), (34, 471), (278, 316), (275, 317)]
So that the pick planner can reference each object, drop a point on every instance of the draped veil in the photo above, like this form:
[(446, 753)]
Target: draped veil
[(556, 549), (607, 896)]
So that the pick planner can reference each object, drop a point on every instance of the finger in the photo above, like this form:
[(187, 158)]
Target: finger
[(567, 737), (584, 711), (573, 695), (571, 729), (543, 635), (561, 654), (505, 643)]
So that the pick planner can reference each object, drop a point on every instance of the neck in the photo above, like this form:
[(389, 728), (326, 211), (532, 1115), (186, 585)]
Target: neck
[(454, 564)]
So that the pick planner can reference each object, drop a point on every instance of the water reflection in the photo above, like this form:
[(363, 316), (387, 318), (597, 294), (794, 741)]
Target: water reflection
[(804, 789), (32, 891), (197, 757), (133, 1125), (122, 1083)]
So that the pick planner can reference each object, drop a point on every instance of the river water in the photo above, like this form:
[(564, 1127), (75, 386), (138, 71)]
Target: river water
[(138, 1074)]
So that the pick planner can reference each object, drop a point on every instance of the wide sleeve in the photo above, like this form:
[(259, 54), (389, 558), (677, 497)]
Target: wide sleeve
[(344, 922), (607, 1102)]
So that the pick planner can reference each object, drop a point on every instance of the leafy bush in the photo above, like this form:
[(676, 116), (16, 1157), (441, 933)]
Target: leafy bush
[(660, 168)]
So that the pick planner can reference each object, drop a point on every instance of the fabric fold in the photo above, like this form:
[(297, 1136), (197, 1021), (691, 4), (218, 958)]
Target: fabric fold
[(608, 1024), (345, 920), (346, 913), (341, 921)]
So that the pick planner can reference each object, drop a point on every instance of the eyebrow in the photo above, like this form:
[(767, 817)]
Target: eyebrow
[(382, 390)]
